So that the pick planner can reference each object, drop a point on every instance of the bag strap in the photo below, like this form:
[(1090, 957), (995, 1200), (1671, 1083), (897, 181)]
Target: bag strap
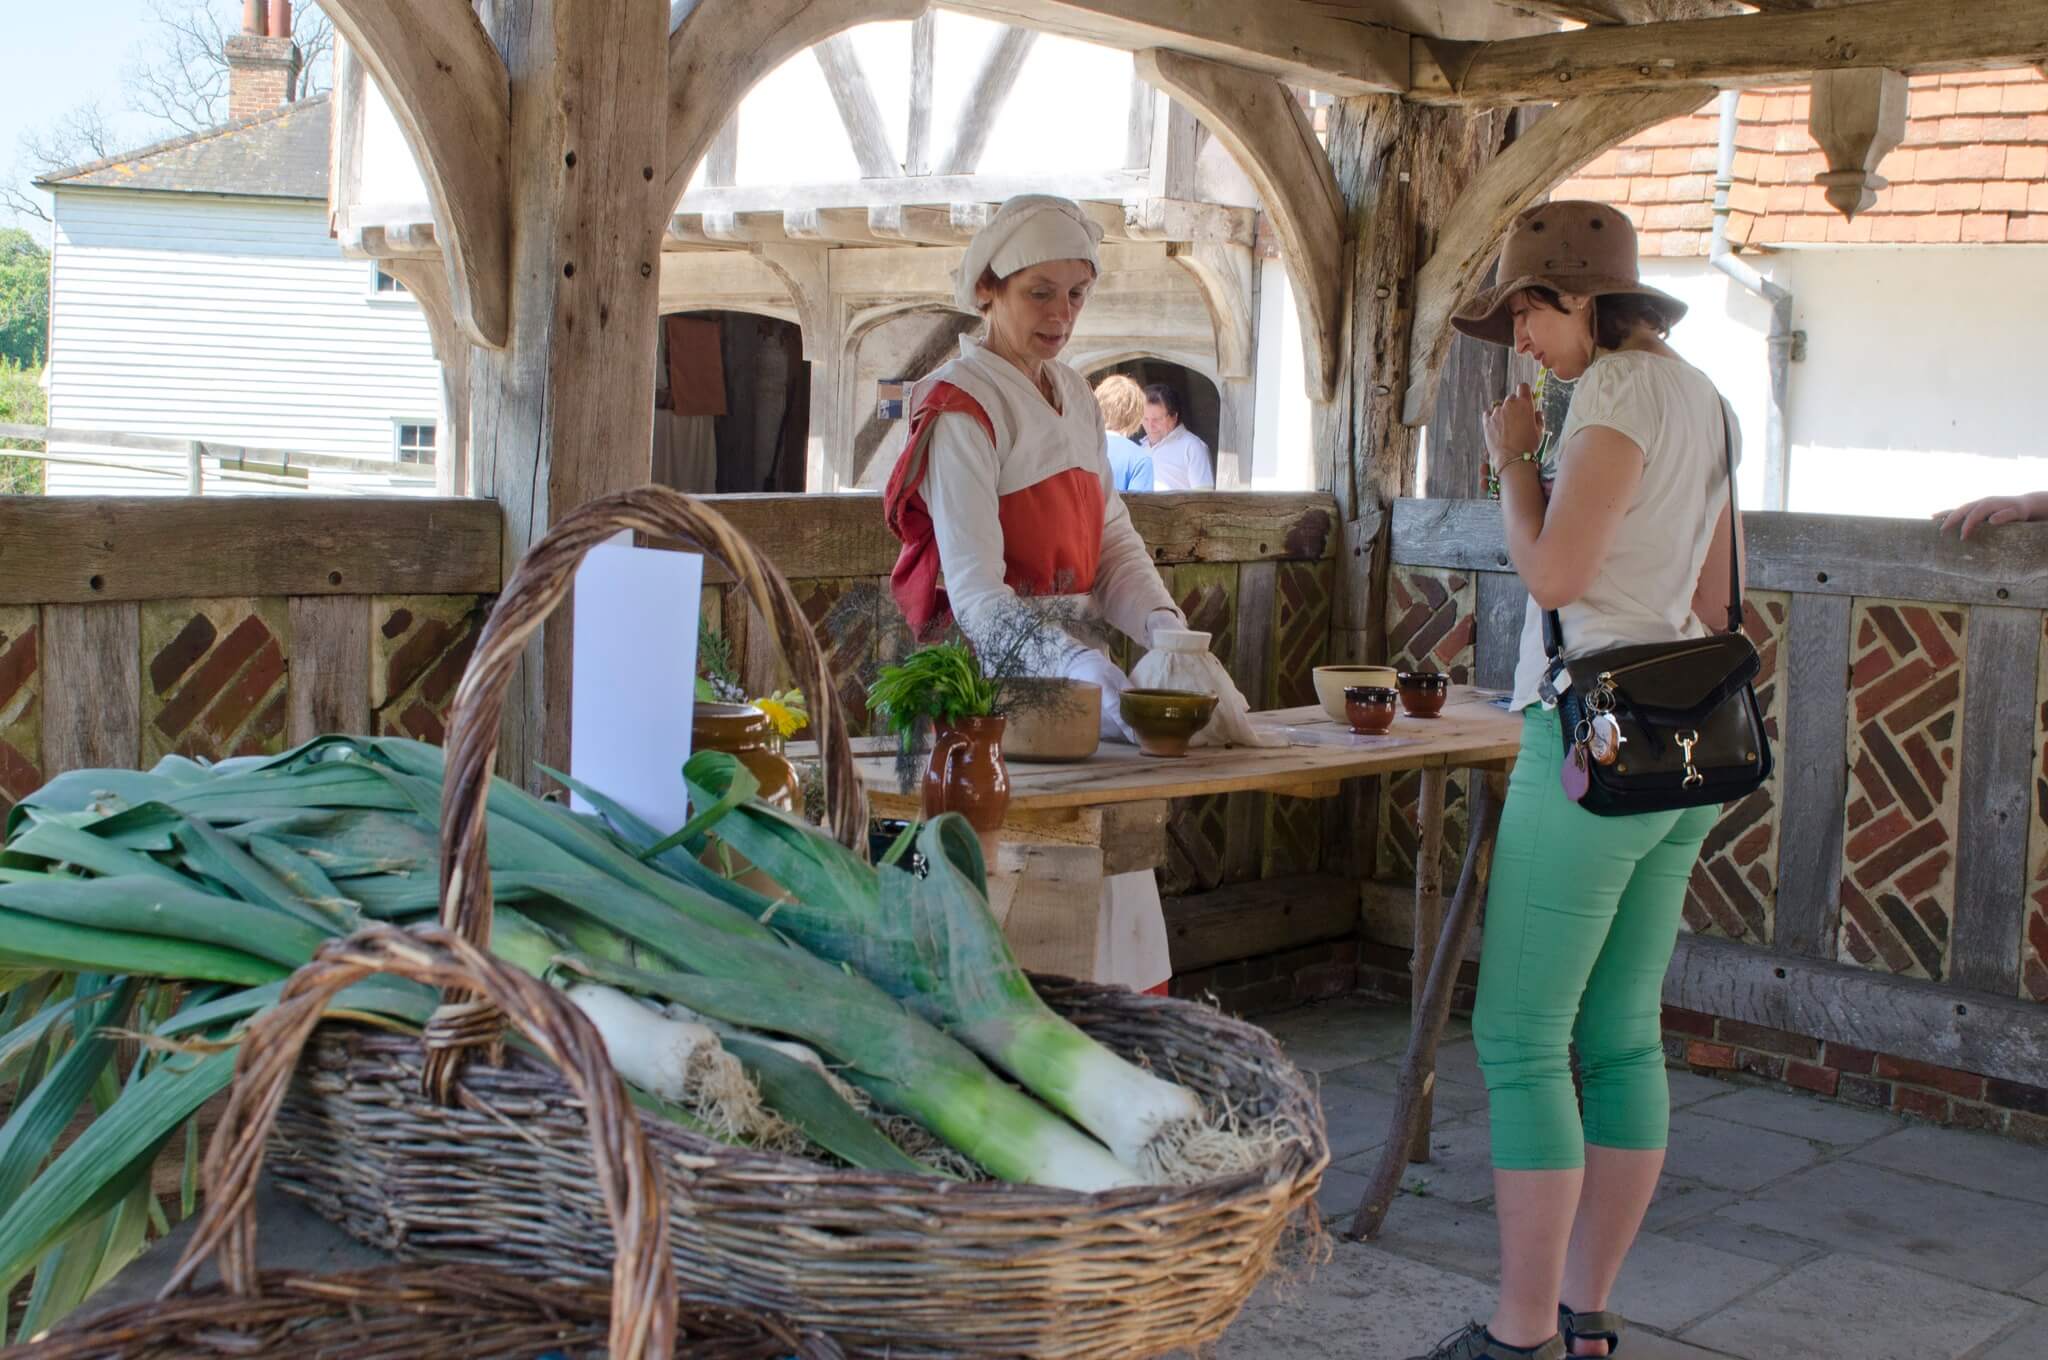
[(1553, 626)]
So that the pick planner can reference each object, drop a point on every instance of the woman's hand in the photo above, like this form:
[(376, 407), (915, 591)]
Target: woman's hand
[(1992, 510), (1514, 427)]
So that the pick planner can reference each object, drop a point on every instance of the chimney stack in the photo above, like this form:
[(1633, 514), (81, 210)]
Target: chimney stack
[(263, 61)]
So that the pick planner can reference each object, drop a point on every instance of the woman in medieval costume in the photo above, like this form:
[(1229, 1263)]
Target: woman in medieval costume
[(1004, 490)]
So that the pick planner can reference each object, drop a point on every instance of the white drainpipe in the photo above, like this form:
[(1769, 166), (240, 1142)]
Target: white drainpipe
[(1784, 341)]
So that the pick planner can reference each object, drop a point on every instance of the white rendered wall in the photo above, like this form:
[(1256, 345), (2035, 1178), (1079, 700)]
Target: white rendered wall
[(1922, 386)]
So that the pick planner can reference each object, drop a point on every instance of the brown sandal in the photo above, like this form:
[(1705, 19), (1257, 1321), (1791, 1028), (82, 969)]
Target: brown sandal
[(1601, 1326)]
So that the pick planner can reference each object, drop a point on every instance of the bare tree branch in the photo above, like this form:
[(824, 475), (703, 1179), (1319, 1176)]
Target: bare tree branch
[(179, 77), (76, 138)]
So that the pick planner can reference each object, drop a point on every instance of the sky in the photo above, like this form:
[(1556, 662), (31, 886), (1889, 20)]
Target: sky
[(58, 56)]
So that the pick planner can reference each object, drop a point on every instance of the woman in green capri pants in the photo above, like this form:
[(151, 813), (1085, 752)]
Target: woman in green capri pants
[(1625, 536)]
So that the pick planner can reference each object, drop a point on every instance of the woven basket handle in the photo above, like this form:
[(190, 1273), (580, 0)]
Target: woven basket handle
[(539, 584), (643, 1300)]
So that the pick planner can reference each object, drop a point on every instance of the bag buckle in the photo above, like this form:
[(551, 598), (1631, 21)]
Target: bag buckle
[(1686, 741)]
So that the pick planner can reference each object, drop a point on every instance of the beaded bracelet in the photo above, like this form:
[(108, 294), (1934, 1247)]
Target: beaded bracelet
[(1493, 477)]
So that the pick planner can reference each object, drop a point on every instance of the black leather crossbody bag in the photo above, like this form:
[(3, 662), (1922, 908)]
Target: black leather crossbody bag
[(1691, 733)]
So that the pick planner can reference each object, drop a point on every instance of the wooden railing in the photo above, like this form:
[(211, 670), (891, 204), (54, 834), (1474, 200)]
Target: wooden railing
[(1889, 888), (133, 628)]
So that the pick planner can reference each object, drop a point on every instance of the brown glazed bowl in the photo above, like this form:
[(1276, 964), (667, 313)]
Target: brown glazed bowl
[(1369, 708), (1165, 720), (1423, 692)]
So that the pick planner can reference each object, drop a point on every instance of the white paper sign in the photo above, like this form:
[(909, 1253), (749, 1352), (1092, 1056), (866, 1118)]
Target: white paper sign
[(634, 678)]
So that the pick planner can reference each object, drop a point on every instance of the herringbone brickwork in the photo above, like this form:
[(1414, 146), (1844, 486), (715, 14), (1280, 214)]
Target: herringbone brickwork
[(1734, 890), (1904, 748), (1197, 829), (1432, 621), (419, 646), (20, 706), (213, 677)]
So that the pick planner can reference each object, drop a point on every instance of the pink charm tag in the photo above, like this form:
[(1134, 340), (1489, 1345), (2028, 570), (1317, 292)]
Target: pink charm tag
[(1573, 775)]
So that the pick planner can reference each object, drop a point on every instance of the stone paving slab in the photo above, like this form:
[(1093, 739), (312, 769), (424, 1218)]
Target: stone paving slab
[(1357, 1118), (1666, 1283), (2027, 1341), (1362, 1304), (1460, 1237), (1340, 1032), (1460, 1165), (1455, 1097), (2037, 1290), (1980, 1161), (1822, 1121), (1874, 1212), (1690, 1088), (1756, 1244), (1681, 1200), (1733, 1156), (1845, 1307)]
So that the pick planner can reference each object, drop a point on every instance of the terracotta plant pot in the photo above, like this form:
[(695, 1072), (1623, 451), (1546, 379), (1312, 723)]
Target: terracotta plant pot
[(1165, 720), (1423, 692), (1369, 709), (1332, 681), (967, 774)]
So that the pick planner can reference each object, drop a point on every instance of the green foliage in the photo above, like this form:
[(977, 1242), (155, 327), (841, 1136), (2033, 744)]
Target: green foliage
[(718, 675), (24, 299), (21, 403), (939, 683)]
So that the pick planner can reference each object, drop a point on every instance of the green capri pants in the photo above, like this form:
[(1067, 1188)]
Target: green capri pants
[(1581, 919)]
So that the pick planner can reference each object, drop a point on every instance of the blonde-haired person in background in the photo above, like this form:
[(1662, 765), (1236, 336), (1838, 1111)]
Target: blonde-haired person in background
[(1123, 415)]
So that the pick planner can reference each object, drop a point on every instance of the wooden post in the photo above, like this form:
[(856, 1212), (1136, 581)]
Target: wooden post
[(1429, 923), (1418, 1066), (564, 412), (1399, 167)]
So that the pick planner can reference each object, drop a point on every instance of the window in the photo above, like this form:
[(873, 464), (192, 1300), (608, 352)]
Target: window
[(413, 441), (386, 286)]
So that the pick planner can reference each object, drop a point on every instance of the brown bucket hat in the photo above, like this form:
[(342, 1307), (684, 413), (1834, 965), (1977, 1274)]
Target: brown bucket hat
[(1572, 246)]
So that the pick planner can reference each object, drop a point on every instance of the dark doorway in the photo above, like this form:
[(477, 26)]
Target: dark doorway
[(1201, 403), (732, 398)]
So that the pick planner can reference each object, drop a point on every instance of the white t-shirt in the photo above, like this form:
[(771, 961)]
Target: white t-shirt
[(1180, 462), (1644, 590)]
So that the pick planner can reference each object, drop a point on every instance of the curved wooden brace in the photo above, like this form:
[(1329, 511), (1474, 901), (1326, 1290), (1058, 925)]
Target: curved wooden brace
[(1263, 126), (723, 48), (1224, 272), (449, 90), (803, 270), (428, 283), (1565, 139)]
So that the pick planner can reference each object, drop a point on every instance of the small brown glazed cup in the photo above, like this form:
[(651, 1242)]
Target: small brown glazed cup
[(1423, 692), (1370, 709)]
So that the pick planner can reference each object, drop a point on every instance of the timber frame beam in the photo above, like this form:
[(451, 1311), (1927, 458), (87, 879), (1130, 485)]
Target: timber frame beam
[(1303, 42), (450, 92), (1563, 140), (1914, 36), (1264, 127), (722, 48)]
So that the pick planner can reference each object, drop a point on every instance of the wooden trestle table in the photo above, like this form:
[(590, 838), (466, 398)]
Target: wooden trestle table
[(1070, 827)]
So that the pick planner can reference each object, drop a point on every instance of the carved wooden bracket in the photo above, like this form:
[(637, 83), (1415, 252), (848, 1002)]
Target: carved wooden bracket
[(723, 48), (1857, 118), (448, 88), (1565, 139), (1262, 125), (804, 271)]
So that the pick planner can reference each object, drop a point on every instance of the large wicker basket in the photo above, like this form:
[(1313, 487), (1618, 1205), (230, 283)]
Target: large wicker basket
[(392, 1146), (462, 1313)]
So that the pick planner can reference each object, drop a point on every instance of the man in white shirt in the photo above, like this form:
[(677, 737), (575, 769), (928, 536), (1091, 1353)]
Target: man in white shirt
[(1180, 460)]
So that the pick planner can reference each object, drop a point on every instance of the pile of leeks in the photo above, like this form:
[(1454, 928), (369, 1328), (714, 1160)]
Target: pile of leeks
[(855, 1012)]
